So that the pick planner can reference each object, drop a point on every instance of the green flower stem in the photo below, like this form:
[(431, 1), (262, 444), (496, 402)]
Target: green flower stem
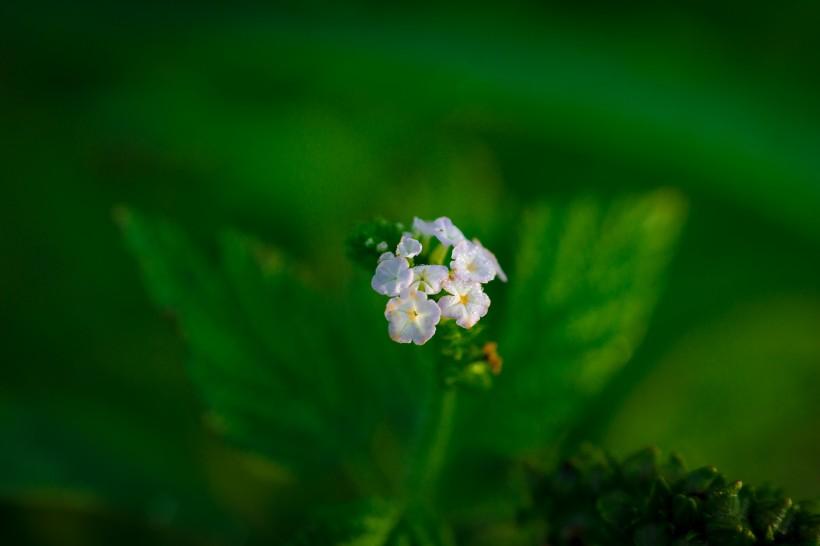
[(433, 445), (419, 489), (436, 451)]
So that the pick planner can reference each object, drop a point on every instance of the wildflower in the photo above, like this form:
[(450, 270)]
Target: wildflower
[(415, 307), (392, 276), (442, 228), (408, 247), (412, 317), (428, 278), (471, 263), (467, 304), (393, 273)]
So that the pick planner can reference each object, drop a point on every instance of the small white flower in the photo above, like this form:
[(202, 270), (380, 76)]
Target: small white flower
[(428, 278), (408, 247), (381, 247), (442, 228), (392, 276), (493, 259), (412, 317), (467, 304), (472, 263)]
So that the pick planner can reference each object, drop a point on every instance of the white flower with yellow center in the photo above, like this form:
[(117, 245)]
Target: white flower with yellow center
[(428, 278), (411, 314), (471, 263), (467, 304), (412, 317)]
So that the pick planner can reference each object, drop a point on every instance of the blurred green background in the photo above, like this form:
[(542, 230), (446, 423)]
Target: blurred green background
[(294, 122)]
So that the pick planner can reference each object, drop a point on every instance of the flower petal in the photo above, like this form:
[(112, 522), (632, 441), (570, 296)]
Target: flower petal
[(472, 263), (493, 259), (442, 228), (467, 304), (392, 276), (428, 278), (412, 317), (408, 247)]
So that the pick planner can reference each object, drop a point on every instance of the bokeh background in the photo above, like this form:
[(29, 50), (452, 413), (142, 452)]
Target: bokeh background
[(294, 122)]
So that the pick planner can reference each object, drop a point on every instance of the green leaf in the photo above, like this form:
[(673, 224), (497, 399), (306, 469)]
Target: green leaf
[(594, 496), (287, 368), (586, 279), (366, 522), (372, 522), (260, 348)]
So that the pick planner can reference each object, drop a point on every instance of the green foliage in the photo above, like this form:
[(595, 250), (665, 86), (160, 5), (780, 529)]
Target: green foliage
[(259, 332), (467, 363), (295, 121), (586, 277), (362, 244), (270, 353), (372, 522), (369, 522), (595, 499), (260, 352)]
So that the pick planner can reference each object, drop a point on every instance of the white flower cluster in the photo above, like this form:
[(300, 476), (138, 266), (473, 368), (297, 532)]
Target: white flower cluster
[(412, 315)]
